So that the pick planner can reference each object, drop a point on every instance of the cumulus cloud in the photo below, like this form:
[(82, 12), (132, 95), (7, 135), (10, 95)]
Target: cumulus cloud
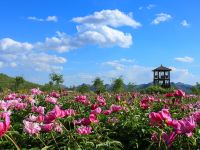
[(9, 45), (185, 59), (162, 17), (184, 23), (113, 18), (14, 54), (48, 18)]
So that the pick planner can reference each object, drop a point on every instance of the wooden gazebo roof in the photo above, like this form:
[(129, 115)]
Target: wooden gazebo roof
[(162, 68)]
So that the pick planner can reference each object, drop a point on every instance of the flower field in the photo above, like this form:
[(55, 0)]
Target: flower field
[(62, 120)]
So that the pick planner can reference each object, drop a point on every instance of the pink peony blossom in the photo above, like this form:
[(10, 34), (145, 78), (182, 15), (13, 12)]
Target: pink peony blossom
[(84, 130), (115, 108), (47, 127), (54, 94), (179, 93), (118, 97), (51, 100), (31, 128), (38, 109), (107, 112), (36, 91), (4, 126), (101, 101), (169, 139), (93, 118), (82, 99), (96, 111), (184, 126)]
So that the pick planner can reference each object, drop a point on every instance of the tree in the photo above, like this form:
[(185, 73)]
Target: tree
[(196, 89), (57, 79), (130, 87), (19, 80), (118, 85), (84, 88), (99, 86)]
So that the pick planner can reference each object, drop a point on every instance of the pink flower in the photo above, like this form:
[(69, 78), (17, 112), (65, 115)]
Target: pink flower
[(82, 99), (157, 118), (93, 118), (47, 127), (196, 116), (36, 91), (20, 106), (84, 130), (69, 112), (107, 112), (155, 137), (179, 93), (4, 126), (169, 139), (94, 106), (51, 100), (32, 118), (169, 95), (54, 94), (38, 109), (11, 96), (118, 97), (115, 108), (58, 128), (82, 121), (31, 128), (96, 111), (4, 105), (101, 101), (40, 118), (184, 126)]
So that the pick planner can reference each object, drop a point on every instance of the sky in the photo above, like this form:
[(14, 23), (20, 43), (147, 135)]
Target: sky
[(86, 39)]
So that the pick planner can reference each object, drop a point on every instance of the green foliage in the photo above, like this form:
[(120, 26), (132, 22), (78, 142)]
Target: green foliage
[(56, 78), (118, 85), (7, 82), (130, 87), (98, 85), (84, 88), (156, 89), (196, 89)]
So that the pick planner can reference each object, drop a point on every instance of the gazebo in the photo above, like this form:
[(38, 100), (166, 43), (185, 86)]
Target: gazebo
[(161, 76)]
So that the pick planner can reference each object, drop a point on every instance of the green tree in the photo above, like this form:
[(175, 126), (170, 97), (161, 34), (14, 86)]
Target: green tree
[(196, 89), (99, 86), (84, 88), (130, 87), (56, 79), (118, 85), (19, 80)]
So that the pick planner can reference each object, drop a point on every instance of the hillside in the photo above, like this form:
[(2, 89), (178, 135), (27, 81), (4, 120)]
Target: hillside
[(8, 82)]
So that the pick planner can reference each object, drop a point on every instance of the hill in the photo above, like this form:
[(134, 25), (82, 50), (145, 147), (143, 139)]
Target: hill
[(8, 82)]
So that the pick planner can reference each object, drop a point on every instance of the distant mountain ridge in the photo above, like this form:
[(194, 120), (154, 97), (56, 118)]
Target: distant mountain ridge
[(7, 82)]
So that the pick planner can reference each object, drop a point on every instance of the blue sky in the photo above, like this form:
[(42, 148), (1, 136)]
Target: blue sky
[(90, 38)]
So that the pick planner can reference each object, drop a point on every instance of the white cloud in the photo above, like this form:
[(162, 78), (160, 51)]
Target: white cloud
[(49, 18), (185, 59), (162, 17), (22, 54), (1, 64), (151, 6), (13, 64), (10, 45), (52, 18), (113, 18), (184, 23)]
